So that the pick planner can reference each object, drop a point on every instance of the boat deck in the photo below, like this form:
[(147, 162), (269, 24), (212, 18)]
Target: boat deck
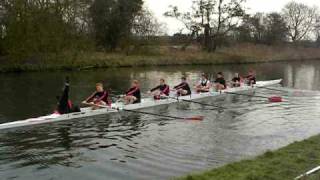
[(145, 103)]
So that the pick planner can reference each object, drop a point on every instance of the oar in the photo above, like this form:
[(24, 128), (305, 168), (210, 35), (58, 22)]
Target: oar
[(194, 118), (195, 102), (272, 89), (115, 93), (312, 171), (273, 99)]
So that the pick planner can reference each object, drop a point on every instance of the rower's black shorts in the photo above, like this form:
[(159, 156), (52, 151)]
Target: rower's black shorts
[(136, 101)]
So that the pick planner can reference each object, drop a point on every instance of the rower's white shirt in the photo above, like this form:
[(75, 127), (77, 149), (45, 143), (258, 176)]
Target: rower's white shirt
[(204, 81)]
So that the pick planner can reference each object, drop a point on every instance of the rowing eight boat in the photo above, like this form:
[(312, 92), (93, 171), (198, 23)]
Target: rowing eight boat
[(145, 103)]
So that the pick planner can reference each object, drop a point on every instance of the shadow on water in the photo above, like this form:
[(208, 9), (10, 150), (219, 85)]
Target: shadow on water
[(135, 146)]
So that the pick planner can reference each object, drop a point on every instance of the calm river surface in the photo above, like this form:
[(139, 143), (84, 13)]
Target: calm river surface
[(133, 146)]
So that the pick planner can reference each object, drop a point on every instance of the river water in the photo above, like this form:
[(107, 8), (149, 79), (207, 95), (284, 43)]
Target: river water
[(134, 146)]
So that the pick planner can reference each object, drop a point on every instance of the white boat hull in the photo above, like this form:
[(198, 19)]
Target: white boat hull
[(145, 103)]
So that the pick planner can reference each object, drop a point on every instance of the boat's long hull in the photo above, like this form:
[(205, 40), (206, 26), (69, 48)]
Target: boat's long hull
[(146, 103)]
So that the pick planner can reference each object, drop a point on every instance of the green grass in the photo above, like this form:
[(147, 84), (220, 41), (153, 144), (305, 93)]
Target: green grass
[(315, 176), (165, 55), (286, 163)]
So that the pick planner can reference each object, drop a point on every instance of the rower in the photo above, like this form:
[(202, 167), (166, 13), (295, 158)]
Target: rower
[(204, 85), (65, 105), (236, 80), (162, 90), (133, 95), (251, 78), (99, 97), (220, 82), (183, 89)]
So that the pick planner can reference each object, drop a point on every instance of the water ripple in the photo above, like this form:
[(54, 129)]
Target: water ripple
[(131, 146)]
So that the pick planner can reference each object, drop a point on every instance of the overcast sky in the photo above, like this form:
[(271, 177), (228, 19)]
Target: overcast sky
[(158, 7)]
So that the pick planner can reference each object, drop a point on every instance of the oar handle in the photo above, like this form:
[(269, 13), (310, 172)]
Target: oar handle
[(95, 105)]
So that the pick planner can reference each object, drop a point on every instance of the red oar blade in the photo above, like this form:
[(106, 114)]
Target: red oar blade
[(195, 118), (275, 99)]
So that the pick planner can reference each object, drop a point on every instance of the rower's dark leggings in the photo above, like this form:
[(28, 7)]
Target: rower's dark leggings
[(63, 106)]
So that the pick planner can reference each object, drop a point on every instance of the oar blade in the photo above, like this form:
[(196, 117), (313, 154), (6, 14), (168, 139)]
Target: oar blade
[(275, 99), (195, 118)]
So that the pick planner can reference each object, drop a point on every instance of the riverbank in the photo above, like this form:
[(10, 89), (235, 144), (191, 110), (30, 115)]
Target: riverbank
[(285, 163), (162, 56)]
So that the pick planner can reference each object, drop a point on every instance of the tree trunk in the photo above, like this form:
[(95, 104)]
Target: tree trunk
[(184, 47), (214, 43), (207, 38)]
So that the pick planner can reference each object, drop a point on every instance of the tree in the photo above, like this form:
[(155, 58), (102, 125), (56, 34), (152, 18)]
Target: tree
[(300, 20), (40, 28), (317, 31), (216, 18), (185, 18), (263, 28), (112, 20), (259, 27), (244, 32), (253, 28), (145, 32), (146, 25), (276, 29), (2, 29)]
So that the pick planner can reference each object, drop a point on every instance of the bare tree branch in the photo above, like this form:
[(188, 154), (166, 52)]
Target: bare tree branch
[(300, 19)]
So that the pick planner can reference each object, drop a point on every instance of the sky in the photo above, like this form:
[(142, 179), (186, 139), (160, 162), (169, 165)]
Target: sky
[(159, 7)]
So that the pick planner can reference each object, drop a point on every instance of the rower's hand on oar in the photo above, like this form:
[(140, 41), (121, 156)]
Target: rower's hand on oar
[(88, 103), (122, 96)]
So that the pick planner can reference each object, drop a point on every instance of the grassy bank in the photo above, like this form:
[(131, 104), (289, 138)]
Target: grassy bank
[(162, 56), (286, 163)]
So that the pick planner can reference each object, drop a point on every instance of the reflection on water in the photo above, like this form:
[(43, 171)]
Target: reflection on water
[(134, 146), (302, 76)]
